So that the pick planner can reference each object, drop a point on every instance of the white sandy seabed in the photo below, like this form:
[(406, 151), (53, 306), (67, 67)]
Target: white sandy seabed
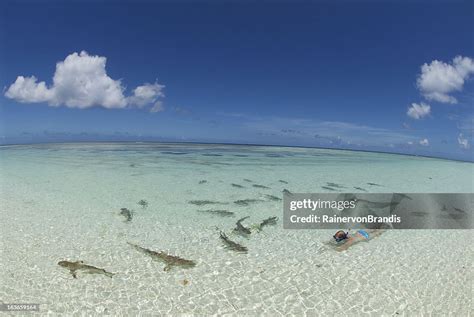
[(62, 202)]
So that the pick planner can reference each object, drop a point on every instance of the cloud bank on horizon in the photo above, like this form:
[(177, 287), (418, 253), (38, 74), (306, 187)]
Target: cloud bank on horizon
[(81, 81)]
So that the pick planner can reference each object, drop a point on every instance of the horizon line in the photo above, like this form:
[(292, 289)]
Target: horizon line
[(248, 144)]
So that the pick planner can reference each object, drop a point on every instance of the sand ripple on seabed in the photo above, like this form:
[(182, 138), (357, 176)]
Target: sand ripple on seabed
[(400, 272)]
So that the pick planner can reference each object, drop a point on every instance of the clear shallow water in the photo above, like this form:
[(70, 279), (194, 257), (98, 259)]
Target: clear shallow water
[(63, 201)]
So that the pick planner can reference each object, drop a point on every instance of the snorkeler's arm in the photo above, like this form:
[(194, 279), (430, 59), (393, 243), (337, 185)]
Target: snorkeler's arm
[(350, 241)]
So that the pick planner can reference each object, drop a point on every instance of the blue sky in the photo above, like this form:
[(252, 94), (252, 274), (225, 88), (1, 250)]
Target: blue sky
[(347, 75)]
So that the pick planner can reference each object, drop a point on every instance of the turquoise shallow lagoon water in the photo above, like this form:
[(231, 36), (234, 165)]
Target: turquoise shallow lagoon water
[(62, 201)]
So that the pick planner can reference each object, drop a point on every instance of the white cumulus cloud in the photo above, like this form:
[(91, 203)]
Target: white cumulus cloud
[(157, 107), (27, 89), (418, 111), (81, 81), (438, 80), (146, 94), (463, 142), (424, 142)]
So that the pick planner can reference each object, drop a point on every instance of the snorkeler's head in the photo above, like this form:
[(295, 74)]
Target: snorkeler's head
[(340, 235)]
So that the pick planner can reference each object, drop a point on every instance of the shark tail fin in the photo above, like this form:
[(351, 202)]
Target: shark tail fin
[(109, 274)]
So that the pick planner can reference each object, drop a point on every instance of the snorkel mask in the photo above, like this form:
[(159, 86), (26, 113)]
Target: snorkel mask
[(340, 236)]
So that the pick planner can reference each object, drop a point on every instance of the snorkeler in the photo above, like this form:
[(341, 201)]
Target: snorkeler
[(344, 240)]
